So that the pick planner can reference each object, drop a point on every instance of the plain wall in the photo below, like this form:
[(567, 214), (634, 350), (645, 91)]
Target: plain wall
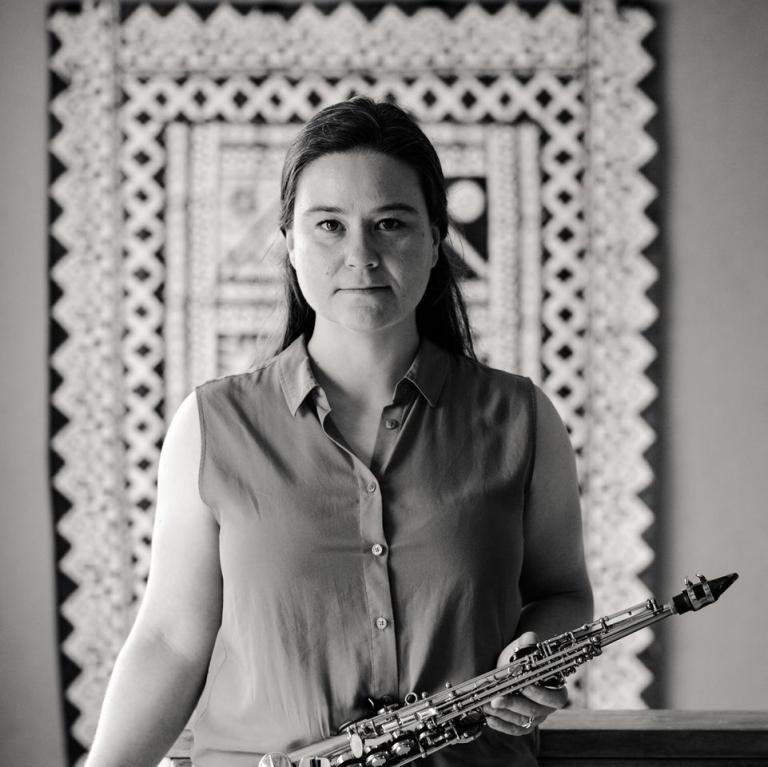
[(31, 733), (715, 214), (717, 357)]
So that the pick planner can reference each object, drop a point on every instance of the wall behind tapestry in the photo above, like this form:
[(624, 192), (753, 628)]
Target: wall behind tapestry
[(170, 124)]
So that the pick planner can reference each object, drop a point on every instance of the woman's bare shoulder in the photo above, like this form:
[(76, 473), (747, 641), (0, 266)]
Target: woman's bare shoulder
[(182, 446), (183, 596)]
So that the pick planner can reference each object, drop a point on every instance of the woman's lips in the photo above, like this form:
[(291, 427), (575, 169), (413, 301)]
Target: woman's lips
[(366, 289)]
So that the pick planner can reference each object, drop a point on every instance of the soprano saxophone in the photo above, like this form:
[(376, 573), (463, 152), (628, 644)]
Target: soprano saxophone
[(423, 724)]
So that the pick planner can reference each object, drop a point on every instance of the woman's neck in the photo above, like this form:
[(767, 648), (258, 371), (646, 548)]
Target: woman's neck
[(361, 368)]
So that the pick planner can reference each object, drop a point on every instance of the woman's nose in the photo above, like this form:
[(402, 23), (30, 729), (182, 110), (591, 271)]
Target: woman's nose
[(361, 250)]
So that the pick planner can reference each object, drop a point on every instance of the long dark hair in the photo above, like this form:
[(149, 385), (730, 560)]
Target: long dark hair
[(361, 123)]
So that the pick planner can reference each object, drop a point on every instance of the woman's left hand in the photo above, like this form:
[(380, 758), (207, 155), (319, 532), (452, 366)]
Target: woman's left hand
[(520, 712)]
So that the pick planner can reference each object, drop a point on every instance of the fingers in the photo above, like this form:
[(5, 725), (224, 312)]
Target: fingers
[(544, 696), (528, 639), (516, 714), (525, 640), (523, 726), (512, 714)]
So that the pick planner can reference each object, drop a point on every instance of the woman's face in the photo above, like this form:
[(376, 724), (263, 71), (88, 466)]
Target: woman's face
[(361, 242)]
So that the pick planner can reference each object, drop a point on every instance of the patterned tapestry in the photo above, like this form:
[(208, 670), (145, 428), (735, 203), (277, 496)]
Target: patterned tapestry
[(169, 125)]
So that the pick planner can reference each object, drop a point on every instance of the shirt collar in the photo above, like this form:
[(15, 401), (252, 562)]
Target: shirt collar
[(427, 373), (429, 370), (296, 376)]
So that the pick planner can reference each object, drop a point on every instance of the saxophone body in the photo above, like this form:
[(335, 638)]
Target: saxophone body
[(399, 734)]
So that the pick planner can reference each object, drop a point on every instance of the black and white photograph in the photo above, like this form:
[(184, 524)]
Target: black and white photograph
[(384, 383)]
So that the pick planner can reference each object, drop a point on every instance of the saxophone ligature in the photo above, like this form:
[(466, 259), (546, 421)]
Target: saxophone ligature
[(423, 724)]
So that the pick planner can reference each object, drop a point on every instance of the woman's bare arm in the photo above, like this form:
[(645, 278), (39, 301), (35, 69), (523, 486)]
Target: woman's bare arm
[(554, 581), (161, 669)]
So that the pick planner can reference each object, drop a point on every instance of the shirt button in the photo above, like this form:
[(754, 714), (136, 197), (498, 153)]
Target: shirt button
[(371, 487), (377, 549), (391, 423), (381, 623)]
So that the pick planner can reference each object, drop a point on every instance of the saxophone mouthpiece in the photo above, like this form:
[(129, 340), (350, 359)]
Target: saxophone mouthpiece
[(698, 595), (719, 585)]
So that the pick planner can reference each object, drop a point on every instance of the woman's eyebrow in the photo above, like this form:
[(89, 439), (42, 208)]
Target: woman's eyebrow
[(401, 206), (323, 209), (391, 206)]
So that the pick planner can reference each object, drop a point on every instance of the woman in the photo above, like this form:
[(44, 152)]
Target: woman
[(372, 511)]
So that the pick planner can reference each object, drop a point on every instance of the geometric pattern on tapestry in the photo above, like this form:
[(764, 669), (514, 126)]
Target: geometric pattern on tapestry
[(171, 129)]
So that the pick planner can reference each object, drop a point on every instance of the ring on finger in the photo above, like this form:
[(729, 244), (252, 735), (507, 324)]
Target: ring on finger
[(526, 725)]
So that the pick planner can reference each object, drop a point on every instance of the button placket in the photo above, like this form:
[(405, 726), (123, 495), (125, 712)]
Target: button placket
[(384, 679), (388, 435), (384, 668)]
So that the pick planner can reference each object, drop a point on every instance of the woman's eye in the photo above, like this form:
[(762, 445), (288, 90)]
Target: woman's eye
[(330, 225), (390, 224)]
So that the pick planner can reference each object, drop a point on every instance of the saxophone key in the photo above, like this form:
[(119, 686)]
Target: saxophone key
[(377, 758), (405, 745), (555, 682)]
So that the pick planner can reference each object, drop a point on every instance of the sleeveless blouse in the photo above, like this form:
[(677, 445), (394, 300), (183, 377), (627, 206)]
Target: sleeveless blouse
[(343, 581)]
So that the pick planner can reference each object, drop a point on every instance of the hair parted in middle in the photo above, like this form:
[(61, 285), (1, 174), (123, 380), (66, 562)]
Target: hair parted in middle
[(363, 124)]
